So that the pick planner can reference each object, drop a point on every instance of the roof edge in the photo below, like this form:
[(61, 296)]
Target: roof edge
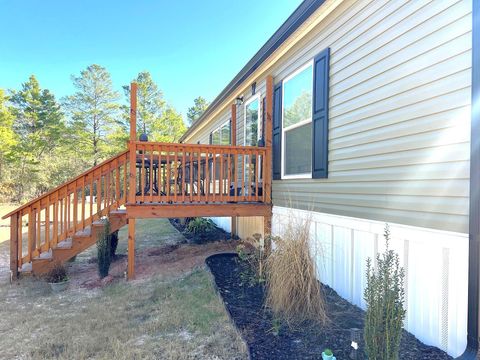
[(294, 21)]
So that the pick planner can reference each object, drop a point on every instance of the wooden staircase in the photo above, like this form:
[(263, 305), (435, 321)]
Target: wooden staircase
[(77, 243), (66, 221)]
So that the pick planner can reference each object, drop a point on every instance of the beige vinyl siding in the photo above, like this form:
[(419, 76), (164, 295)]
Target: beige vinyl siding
[(399, 113)]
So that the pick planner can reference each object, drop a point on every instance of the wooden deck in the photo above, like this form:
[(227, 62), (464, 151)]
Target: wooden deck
[(148, 180)]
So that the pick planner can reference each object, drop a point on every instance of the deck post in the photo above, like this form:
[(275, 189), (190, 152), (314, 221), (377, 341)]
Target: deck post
[(267, 177), (268, 140), (233, 225), (131, 249), (132, 147), (14, 223)]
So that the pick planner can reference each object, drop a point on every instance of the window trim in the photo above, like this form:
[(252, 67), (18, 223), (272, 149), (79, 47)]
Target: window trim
[(309, 175), (248, 102)]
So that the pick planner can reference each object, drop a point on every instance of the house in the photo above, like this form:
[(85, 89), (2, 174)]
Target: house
[(353, 114), (371, 125)]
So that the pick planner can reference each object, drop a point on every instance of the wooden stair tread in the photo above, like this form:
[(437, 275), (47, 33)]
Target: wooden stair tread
[(66, 244)]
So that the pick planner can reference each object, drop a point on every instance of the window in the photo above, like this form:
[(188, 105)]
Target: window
[(252, 118), (221, 135), (300, 121), (297, 123)]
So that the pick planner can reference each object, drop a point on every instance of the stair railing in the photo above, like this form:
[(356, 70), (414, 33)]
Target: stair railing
[(42, 223)]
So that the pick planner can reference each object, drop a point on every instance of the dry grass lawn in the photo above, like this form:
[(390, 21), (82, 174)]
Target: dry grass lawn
[(173, 316)]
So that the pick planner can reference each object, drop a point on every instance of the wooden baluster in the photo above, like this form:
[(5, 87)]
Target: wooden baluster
[(61, 216), (236, 160), (207, 175), (106, 191), (31, 233), (82, 216), (91, 199), (221, 184), (183, 183), (243, 174), (47, 224), (199, 178), (117, 183), (75, 209), (168, 173), (67, 208), (255, 175), (20, 238), (142, 174), (175, 174), (214, 173), (151, 174), (125, 181), (229, 174), (190, 185), (55, 221), (98, 214), (39, 227)]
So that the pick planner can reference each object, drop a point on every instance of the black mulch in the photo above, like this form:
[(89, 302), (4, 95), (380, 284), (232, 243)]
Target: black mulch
[(244, 303), (216, 234)]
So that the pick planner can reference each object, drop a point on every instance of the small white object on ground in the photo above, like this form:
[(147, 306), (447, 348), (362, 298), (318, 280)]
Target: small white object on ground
[(354, 345)]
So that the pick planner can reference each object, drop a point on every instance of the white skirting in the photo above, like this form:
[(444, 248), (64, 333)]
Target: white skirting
[(436, 265)]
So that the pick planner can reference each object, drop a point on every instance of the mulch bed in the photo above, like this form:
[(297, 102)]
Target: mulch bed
[(216, 234), (244, 302)]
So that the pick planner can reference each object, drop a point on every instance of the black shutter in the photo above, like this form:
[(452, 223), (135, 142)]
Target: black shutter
[(277, 133), (230, 132), (320, 115), (210, 140)]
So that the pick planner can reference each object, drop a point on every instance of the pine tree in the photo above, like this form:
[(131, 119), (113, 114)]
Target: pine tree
[(94, 111), (199, 107)]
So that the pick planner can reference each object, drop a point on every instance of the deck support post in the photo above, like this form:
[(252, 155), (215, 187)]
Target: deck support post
[(233, 225), (267, 232), (131, 249), (14, 223), (268, 140)]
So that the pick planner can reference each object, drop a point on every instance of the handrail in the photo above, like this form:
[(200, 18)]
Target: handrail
[(67, 209), (125, 152)]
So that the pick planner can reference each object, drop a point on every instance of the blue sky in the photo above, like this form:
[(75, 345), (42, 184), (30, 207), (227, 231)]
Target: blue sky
[(191, 47)]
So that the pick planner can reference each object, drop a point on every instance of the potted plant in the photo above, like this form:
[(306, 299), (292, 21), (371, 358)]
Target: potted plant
[(327, 354), (58, 278)]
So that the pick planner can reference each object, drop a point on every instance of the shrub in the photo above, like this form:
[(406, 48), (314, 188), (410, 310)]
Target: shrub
[(113, 244), (199, 225), (253, 253), (104, 246), (57, 274), (385, 296), (293, 290)]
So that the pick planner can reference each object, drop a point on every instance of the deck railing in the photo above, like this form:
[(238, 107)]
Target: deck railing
[(197, 173), (194, 173), (41, 224)]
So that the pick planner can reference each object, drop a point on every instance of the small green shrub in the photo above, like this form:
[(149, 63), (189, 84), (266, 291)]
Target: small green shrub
[(328, 352), (57, 274), (104, 246), (385, 297), (113, 244), (199, 225)]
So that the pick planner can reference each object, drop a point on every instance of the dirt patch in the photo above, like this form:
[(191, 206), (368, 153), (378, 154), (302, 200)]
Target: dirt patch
[(166, 260)]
